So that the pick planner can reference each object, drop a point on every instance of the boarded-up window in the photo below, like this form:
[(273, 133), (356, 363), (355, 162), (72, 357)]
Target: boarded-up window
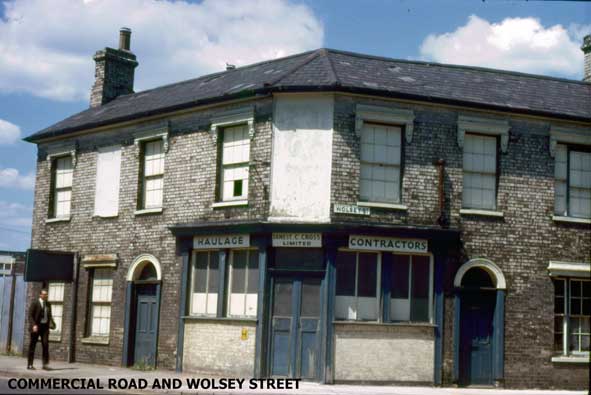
[(108, 169), (480, 172), (235, 159), (380, 163)]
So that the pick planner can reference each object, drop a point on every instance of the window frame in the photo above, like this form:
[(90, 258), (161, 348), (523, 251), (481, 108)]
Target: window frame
[(379, 293), (92, 303), (228, 286), (497, 170), (401, 166), (142, 178), (207, 293), (57, 332), (383, 290), (566, 318), (569, 149), (431, 284), (54, 189), (221, 167)]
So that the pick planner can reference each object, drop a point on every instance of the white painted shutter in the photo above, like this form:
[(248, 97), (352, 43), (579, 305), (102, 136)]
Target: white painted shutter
[(108, 169)]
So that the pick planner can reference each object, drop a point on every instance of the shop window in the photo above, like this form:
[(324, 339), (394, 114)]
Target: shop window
[(235, 160), (480, 172), (61, 187), (357, 286), (572, 316), (380, 163), (410, 279), (205, 282), (243, 280), (100, 302), (56, 298), (152, 175), (572, 182)]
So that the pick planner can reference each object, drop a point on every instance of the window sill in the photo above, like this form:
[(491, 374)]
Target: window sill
[(571, 359), (391, 206), (55, 337), (572, 220), (219, 319), (58, 219), (145, 211), (375, 323), (105, 216), (483, 213), (102, 340), (232, 203)]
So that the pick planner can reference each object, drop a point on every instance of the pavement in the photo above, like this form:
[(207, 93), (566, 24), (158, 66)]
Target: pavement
[(13, 372)]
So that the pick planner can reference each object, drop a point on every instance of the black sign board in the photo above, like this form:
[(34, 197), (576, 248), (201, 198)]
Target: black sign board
[(43, 265)]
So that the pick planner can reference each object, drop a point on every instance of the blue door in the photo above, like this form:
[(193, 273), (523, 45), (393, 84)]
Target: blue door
[(295, 340), (146, 324), (476, 329)]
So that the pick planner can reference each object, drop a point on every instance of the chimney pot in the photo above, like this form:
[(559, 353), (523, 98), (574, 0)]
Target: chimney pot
[(586, 48), (124, 38)]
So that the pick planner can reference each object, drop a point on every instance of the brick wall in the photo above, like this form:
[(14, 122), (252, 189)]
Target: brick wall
[(189, 191), (393, 353), (521, 243), (229, 355)]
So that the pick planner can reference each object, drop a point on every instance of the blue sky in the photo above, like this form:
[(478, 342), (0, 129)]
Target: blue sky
[(46, 48)]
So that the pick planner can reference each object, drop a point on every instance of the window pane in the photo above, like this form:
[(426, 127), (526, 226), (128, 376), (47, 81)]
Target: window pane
[(236, 145), (153, 158), (200, 272), (64, 172), (239, 271), (282, 298), (311, 298), (253, 272), (420, 289), (399, 276), (213, 272), (367, 272), (346, 273)]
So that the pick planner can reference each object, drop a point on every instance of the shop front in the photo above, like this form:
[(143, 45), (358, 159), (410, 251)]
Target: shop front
[(321, 302)]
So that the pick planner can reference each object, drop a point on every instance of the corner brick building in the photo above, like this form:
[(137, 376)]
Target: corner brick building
[(328, 215)]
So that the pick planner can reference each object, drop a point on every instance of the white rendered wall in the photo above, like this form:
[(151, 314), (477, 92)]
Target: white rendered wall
[(302, 158)]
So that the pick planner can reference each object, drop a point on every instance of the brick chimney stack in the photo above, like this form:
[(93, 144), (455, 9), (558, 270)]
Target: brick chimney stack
[(587, 51), (114, 71)]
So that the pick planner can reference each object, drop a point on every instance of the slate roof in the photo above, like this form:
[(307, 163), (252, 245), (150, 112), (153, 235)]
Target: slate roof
[(333, 70)]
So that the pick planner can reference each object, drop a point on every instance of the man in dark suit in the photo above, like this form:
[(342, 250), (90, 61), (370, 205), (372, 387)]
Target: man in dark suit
[(41, 321)]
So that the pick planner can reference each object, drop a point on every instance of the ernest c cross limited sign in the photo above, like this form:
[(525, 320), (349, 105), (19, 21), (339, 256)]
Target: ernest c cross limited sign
[(221, 241), (373, 243), (297, 240)]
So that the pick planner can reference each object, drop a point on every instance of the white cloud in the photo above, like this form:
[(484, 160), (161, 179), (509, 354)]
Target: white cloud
[(15, 214), (11, 178), (47, 46), (519, 44), (9, 132)]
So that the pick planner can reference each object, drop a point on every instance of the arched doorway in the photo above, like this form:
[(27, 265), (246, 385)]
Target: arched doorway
[(479, 322), (142, 312)]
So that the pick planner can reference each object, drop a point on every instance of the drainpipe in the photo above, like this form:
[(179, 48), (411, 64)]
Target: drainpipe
[(72, 340), (442, 220)]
